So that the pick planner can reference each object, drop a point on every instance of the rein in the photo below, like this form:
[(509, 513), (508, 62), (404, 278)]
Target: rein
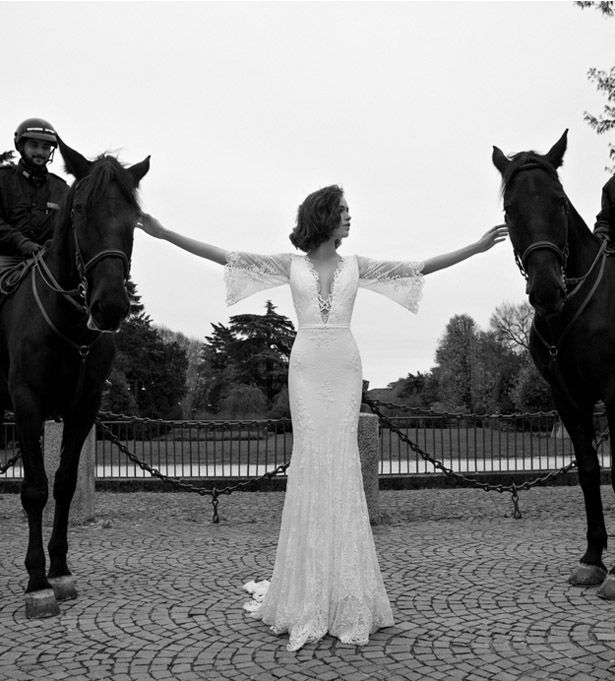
[(84, 348), (553, 348), (602, 255), (577, 283), (76, 297)]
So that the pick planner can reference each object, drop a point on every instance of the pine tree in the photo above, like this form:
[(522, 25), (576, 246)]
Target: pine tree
[(253, 350)]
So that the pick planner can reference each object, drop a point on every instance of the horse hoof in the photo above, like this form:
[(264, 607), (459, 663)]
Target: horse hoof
[(607, 588), (587, 575), (41, 604), (63, 587)]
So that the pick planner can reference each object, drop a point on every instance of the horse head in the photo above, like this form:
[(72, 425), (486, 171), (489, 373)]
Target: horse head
[(537, 209), (101, 213)]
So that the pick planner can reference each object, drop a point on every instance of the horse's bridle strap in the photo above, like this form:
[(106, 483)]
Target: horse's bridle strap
[(109, 253), (549, 245)]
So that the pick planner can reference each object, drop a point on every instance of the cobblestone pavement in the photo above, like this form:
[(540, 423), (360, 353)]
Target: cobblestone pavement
[(476, 594)]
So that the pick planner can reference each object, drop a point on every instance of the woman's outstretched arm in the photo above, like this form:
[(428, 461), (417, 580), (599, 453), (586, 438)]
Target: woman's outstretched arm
[(487, 241), (152, 227)]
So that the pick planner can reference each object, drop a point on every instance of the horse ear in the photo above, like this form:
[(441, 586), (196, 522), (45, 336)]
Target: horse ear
[(76, 164), (555, 156), (499, 160), (138, 170)]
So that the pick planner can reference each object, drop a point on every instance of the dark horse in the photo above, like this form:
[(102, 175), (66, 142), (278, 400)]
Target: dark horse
[(571, 285), (57, 345)]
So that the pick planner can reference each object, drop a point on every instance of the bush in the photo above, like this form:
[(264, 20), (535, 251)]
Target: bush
[(243, 402)]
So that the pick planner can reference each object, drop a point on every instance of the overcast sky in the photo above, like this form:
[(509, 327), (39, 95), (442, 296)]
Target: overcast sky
[(246, 108)]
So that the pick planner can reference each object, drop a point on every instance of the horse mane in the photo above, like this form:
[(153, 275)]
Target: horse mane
[(104, 170), (532, 158), (525, 158)]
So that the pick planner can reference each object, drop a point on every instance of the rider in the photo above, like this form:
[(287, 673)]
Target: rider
[(605, 220), (30, 196)]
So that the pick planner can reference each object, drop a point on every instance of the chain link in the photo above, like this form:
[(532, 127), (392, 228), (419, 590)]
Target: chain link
[(214, 492), (374, 405), (11, 462), (513, 488)]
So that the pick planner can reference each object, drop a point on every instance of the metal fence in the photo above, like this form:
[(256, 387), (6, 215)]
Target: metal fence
[(207, 449), (481, 444)]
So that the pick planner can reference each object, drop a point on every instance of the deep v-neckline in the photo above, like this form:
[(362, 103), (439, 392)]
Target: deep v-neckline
[(324, 302), (316, 274)]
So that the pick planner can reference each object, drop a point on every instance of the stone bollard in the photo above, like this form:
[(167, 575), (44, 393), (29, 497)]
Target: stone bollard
[(82, 506), (369, 444)]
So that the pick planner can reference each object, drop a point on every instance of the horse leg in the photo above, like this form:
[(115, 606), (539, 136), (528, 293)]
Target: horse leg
[(607, 588), (40, 600), (73, 436), (580, 427)]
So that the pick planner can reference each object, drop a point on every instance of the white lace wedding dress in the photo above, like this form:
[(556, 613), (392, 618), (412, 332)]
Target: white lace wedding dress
[(326, 577)]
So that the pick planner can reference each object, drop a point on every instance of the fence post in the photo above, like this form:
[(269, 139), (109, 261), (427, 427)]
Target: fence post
[(369, 440), (82, 507)]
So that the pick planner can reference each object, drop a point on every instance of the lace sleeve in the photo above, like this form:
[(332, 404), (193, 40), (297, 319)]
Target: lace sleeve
[(399, 281), (248, 273)]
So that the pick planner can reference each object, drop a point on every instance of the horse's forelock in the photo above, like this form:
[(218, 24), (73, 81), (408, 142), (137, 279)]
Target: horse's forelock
[(526, 158), (105, 170)]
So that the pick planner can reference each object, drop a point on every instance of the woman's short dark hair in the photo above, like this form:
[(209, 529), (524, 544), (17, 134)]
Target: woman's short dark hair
[(317, 217)]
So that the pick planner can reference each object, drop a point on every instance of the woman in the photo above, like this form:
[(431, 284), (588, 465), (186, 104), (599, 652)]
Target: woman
[(326, 577)]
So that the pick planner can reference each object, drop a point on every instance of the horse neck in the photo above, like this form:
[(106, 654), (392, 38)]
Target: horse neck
[(583, 245), (60, 256)]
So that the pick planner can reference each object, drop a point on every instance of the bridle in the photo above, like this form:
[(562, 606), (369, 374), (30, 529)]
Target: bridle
[(544, 244), (76, 297), (83, 266), (576, 283)]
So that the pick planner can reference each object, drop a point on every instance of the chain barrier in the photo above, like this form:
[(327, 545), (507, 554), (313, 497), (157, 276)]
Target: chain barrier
[(513, 488), (201, 425), (214, 492), (11, 462)]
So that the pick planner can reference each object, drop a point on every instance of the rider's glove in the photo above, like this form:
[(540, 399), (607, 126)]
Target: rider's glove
[(28, 248), (603, 232)]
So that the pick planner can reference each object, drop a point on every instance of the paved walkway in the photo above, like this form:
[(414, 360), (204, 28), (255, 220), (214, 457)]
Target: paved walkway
[(476, 594)]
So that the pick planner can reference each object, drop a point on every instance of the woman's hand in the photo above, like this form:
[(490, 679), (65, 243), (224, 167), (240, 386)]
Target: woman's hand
[(491, 237), (151, 226)]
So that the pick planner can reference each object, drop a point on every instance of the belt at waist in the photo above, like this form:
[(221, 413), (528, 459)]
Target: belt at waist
[(324, 326)]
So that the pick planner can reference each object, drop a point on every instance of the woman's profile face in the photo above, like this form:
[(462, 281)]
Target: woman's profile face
[(343, 229)]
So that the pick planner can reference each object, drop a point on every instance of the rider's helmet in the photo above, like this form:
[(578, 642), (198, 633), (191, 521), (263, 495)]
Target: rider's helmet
[(36, 129)]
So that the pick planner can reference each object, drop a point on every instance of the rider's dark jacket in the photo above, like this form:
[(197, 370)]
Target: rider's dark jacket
[(29, 204), (605, 220)]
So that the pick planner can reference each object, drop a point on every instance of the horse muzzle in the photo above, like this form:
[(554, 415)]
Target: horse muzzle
[(547, 300), (92, 326), (106, 313)]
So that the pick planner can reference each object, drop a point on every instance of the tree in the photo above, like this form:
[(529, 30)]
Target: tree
[(261, 349), (494, 370), (215, 369), (531, 392), (512, 324), (149, 375), (6, 158), (243, 402), (476, 370), (454, 359), (420, 390), (193, 348), (605, 82), (253, 350)]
